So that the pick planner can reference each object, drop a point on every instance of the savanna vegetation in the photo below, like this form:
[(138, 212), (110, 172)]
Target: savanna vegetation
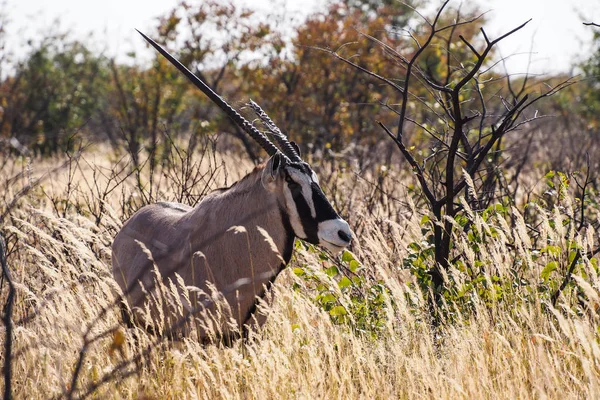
[(472, 194)]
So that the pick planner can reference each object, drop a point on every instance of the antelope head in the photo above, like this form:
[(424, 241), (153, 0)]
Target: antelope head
[(309, 213)]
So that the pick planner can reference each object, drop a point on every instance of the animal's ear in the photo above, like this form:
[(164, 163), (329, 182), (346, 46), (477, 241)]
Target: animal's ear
[(274, 164), (272, 169), (295, 146)]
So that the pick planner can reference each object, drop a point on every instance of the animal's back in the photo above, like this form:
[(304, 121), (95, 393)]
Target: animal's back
[(153, 233)]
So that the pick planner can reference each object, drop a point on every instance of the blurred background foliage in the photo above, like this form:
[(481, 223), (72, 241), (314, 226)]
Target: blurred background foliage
[(62, 88)]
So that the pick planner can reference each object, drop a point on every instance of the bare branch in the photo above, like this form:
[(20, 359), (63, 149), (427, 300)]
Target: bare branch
[(583, 191), (465, 22), (364, 70), (7, 320), (411, 160), (484, 54), (485, 36), (569, 274), (470, 46), (414, 9), (409, 71)]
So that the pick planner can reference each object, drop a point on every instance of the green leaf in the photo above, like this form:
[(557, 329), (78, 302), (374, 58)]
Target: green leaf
[(347, 256), (548, 269), (354, 265), (332, 271), (552, 250), (337, 311), (344, 282), (328, 298), (414, 246), (425, 219), (299, 271), (461, 219), (357, 280), (572, 256), (500, 208)]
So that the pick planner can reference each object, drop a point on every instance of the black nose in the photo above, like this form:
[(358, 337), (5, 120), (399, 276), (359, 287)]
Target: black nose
[(346, 237)]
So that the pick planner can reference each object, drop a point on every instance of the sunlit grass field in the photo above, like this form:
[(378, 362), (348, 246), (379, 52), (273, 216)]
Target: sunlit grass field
[(502, 341)]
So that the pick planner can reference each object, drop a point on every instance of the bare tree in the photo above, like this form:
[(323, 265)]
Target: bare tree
[(465, 144)]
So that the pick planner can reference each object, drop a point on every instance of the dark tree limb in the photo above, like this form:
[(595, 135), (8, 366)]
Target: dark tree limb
[(364, 70), (567, 279), (583, 188), (409, 68), (411, 160), (7, 320), (570, 271)]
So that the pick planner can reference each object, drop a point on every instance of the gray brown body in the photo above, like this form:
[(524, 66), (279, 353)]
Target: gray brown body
[(202, 246)]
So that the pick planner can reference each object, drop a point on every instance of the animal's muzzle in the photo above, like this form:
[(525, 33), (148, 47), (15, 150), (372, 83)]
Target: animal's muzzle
[(334, 234)]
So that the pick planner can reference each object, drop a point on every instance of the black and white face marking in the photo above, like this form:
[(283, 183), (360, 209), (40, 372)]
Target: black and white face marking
[(311, 215)]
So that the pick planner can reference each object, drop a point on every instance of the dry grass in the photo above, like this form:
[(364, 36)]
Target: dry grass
[(517, 348)]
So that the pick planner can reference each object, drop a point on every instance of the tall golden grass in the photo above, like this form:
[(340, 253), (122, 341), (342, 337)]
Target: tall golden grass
[(520, 347)]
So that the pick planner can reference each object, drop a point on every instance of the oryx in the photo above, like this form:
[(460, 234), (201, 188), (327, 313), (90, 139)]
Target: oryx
[(237, 239)]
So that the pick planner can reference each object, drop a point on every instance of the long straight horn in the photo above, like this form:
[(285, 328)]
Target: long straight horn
[(261, 139), (284, 144)]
